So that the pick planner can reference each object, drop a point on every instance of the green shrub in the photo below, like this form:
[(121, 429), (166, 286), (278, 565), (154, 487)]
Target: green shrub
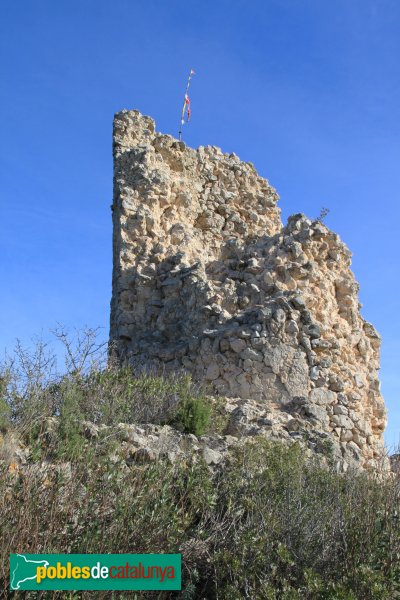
[(303, 531), (5, 409), (5, 415), (192, 415)]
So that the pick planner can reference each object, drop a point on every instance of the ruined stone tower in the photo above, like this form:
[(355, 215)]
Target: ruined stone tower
[(206, 279)]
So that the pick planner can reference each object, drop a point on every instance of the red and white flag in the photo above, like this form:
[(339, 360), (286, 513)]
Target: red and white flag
[(186, 104)]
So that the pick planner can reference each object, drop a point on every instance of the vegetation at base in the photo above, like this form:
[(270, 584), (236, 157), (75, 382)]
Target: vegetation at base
[(269, 526), (32, 393)]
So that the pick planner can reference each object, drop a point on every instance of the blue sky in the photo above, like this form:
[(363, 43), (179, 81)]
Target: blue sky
[(309, 91)]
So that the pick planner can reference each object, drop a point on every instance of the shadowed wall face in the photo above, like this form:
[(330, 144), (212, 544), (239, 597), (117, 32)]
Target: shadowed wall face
[(206, 279)]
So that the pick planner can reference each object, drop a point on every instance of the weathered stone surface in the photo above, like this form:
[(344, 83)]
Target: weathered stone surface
[(206, 279)]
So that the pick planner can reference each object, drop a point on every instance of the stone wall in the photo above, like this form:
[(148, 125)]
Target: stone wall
[(207, 279)]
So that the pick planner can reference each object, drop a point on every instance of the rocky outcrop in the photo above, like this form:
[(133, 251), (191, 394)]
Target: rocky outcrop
[(206, 279)]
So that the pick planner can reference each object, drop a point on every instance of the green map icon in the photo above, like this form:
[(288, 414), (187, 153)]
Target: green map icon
[(23, 569)]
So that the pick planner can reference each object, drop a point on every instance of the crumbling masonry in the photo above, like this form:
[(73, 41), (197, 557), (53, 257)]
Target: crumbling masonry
[(206, 279)]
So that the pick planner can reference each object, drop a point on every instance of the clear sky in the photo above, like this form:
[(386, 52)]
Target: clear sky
[(308, 90)]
